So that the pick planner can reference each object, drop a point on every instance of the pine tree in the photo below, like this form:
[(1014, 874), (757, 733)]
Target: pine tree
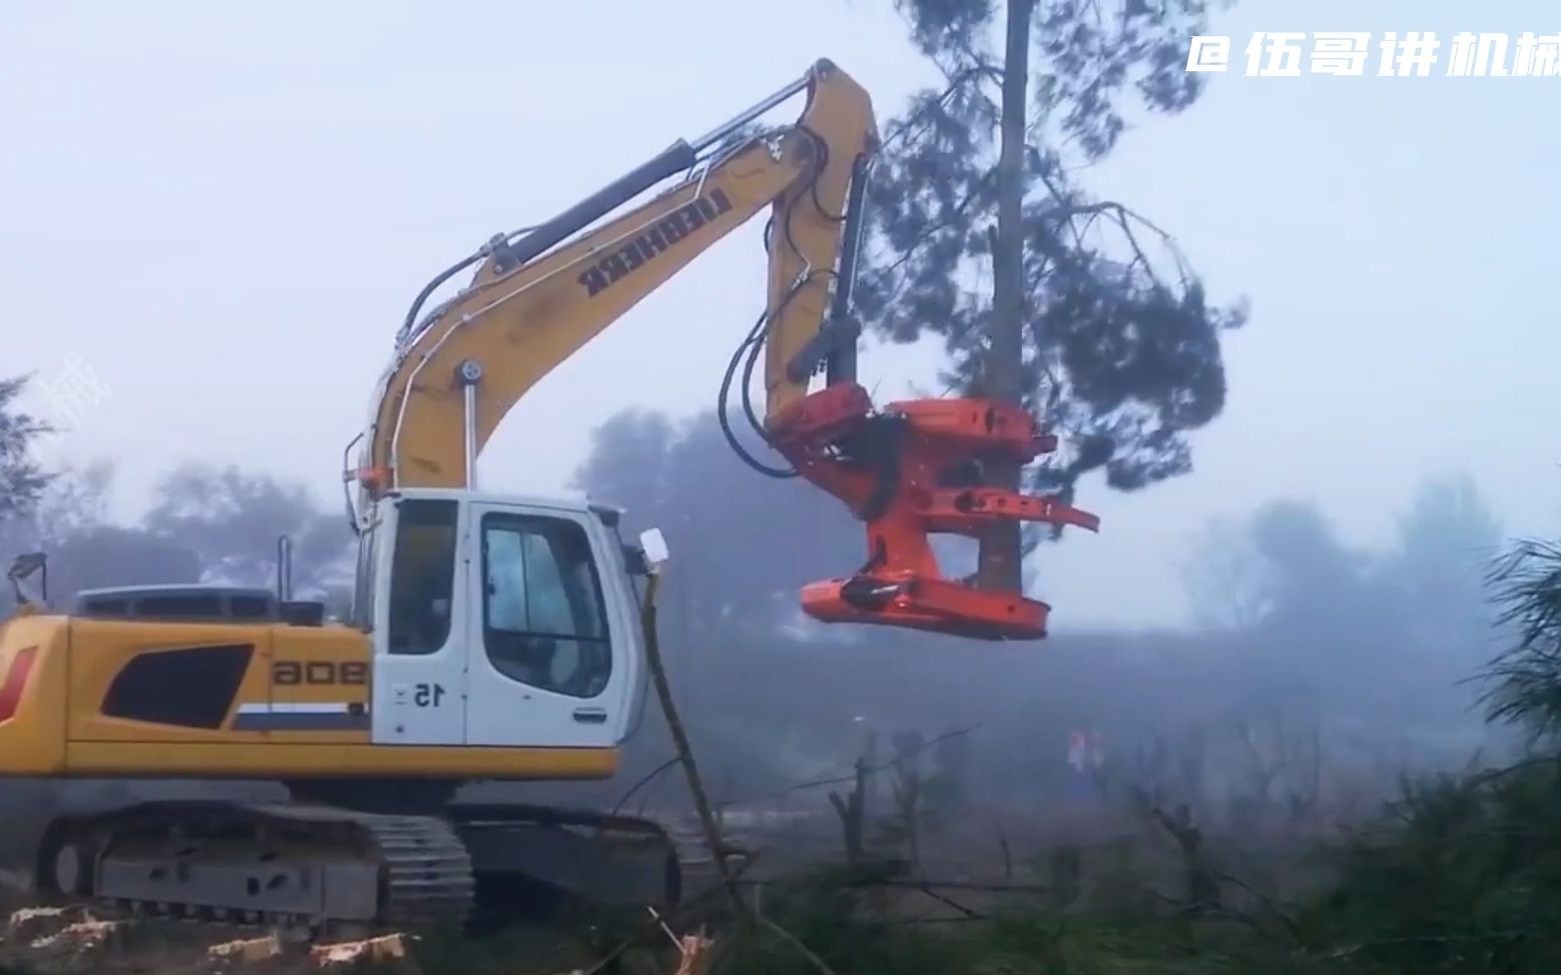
[(22, 480), (1078, 307)]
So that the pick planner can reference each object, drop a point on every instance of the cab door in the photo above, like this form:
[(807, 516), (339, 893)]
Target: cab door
[(552, 639), (418, 614)]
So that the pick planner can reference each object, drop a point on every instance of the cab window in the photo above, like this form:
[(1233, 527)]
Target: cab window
[(363, 588), (544, 622), (422, 576)]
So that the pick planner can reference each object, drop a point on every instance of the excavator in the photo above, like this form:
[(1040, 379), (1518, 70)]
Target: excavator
[(496, 638)]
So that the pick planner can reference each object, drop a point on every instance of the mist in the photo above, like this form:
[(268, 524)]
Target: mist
[(1291, 332), (1316, 673)]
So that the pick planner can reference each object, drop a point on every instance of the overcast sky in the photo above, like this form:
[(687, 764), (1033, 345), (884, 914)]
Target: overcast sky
[(222, 211)]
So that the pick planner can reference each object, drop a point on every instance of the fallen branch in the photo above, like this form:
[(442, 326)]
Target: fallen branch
[(959, 885), (642, 783), (656, 925), (1262, 898), (796, 943), (949, 901)]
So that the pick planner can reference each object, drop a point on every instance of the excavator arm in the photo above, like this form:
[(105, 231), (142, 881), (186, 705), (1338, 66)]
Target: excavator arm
[(528, 310), (539, 296)]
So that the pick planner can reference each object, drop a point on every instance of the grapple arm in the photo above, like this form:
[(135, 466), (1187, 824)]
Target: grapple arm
[(896, 470)]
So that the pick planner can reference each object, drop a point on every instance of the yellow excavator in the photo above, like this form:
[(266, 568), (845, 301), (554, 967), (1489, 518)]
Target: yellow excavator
[(496, 638)]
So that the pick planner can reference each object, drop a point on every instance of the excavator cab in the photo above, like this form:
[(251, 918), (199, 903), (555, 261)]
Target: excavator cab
[(499, 621)]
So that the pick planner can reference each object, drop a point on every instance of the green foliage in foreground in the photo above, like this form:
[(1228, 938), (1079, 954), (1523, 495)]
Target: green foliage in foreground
[(844, 933), (1461, 875)]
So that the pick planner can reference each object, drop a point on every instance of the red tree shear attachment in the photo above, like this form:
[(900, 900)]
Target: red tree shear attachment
[(898, 470)]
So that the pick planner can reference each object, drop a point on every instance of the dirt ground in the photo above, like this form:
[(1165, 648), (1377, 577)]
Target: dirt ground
[(37, 941), (973, 861)]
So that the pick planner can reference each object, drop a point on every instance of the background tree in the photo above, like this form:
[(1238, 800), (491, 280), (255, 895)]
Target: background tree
[(1042, 293), (1284, 568), (1306, 572), (75, 500), (22, 480), (742, 545), (1446, 539), (205, 525), (1224, 578), (232, 519), (69, 521), (1374, 640), (99, 556)]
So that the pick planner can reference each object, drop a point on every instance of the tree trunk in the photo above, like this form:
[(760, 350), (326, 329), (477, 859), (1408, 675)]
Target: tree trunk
[(1000, 568)]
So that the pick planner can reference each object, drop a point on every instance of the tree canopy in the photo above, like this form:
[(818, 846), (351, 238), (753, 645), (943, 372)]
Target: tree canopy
[(206, 524), (1364, 632), (22, 479), (1121, 344), (232, 519)]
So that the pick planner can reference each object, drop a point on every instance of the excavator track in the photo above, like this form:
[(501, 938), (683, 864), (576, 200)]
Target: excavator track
[(428, 871), (300, 864), (427, 875), (256, 863)]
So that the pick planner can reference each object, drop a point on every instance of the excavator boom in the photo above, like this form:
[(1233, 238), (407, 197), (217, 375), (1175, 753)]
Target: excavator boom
[(537, 298)]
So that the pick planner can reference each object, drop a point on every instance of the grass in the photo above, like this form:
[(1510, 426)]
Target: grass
[(1460, 874)]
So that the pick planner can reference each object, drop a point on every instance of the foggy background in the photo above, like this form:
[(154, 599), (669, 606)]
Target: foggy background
[(218, 217), (225, 212)]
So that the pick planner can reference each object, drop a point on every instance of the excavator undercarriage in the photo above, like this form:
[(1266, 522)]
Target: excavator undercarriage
[(319, 866)]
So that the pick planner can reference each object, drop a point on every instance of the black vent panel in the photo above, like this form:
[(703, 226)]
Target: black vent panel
[(191, 687), (171, 604)]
